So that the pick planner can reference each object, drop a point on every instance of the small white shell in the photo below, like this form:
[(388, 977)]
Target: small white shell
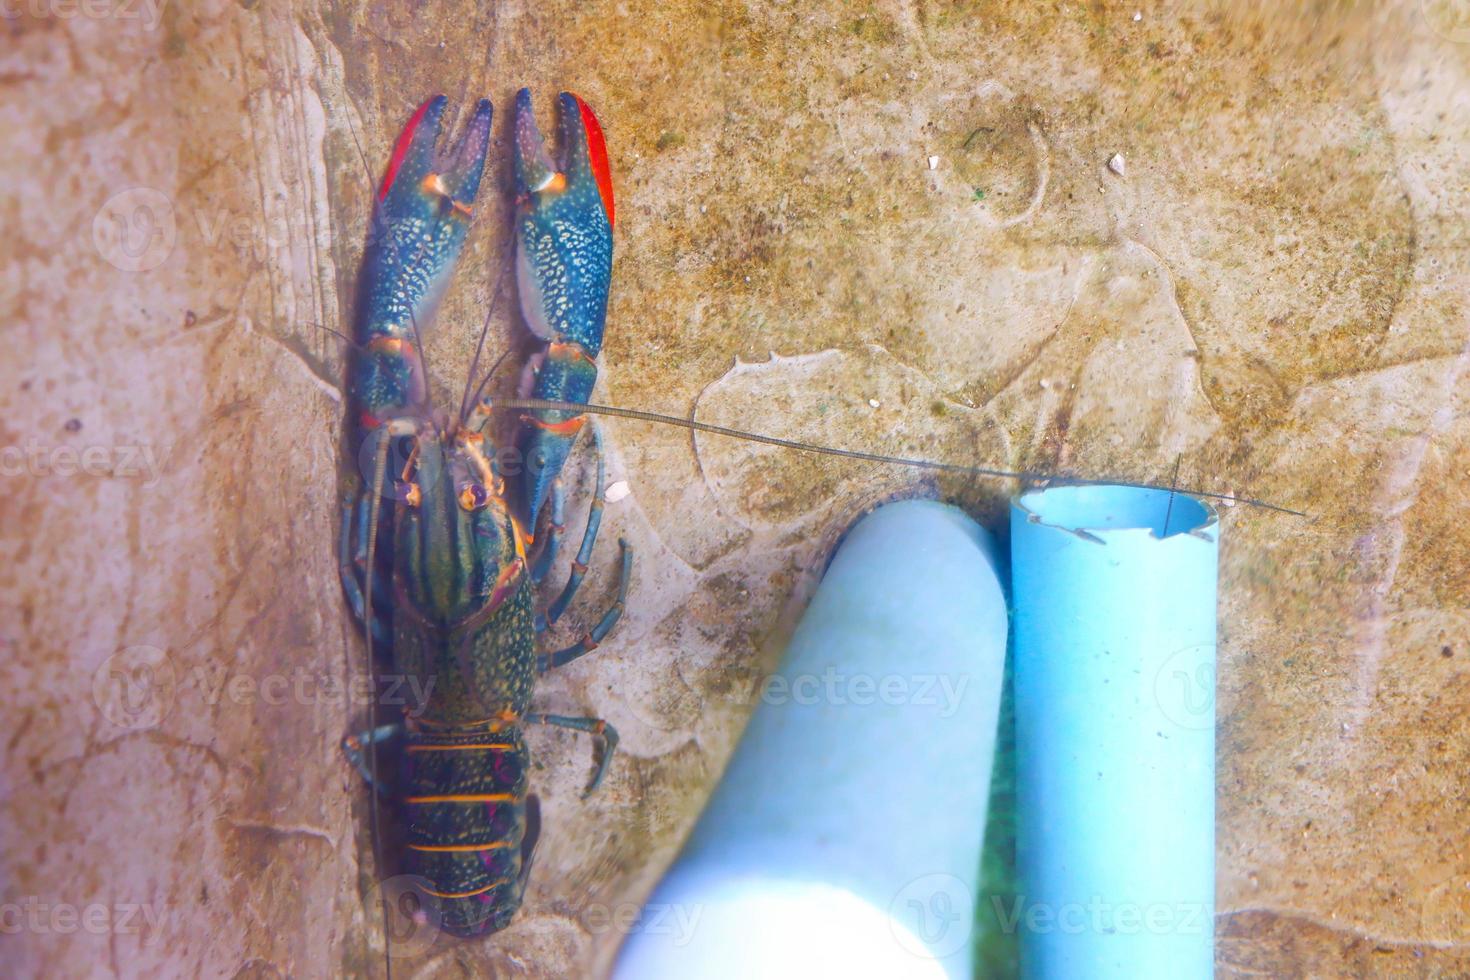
[(617, 492)]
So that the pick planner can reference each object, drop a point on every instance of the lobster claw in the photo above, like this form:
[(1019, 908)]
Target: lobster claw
[(564, 221), (440, 177), (564, 225), (419, 228), (584, 166)]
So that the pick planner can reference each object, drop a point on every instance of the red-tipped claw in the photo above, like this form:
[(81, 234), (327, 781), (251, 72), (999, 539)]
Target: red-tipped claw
[(419, 163)]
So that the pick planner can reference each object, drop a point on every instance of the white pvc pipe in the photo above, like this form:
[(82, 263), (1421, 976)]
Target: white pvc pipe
[(844, 839)]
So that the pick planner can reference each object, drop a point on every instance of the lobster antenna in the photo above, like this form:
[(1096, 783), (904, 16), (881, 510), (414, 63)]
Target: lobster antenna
[(343, 337), (491, 403), (380, 465), (366, 167), (418, 341), (467, 396), (1173, 489)]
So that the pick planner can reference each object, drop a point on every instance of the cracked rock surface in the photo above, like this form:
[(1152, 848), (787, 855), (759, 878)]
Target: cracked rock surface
[(890, 227)]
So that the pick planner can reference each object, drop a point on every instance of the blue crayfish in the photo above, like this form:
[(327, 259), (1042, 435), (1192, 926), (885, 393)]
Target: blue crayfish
[(437, 553)]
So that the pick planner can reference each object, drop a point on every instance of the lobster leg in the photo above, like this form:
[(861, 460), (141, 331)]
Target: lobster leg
[(588, 643), (356, 747), (350, 561), (558, 527), (593, 726), (589, 537)]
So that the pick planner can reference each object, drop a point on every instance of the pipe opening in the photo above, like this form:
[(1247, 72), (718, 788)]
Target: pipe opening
[(1101, 508)]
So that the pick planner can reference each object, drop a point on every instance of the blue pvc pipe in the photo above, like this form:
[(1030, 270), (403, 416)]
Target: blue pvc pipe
[(844, 838), (1115, 592)]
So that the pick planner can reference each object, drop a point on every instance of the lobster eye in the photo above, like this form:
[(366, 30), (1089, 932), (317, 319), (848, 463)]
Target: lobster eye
[(473, 497)]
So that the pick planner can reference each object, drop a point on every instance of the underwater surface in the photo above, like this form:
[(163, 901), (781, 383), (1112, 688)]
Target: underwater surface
[(1106, 239)]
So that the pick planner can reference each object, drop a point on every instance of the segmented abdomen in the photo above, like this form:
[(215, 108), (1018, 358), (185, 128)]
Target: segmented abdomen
[(465, 812)]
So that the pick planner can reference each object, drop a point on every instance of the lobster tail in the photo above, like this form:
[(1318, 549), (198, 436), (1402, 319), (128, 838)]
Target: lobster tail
[(466, 814)]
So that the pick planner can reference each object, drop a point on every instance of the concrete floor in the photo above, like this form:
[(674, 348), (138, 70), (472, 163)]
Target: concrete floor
[(889, 227)]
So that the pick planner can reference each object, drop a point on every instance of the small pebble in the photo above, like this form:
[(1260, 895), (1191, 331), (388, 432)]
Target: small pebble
[(73, 425), (1137, 16), (617, 492), (933, 163), (1045, 383), (1116, 165), (873, 403)]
